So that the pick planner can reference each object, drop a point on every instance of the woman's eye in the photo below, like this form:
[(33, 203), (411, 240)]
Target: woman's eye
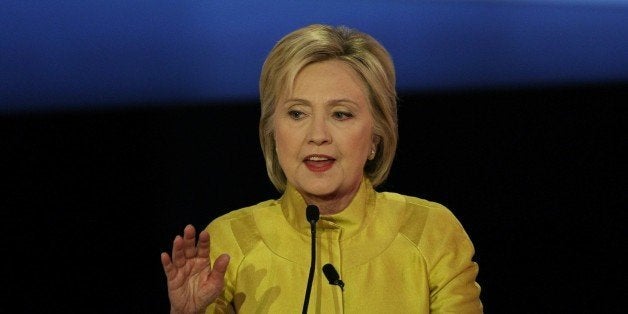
[(294, 114), (339, 115)]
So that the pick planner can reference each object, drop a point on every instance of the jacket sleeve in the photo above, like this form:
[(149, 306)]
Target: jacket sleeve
[(452, 271), (222, 240)]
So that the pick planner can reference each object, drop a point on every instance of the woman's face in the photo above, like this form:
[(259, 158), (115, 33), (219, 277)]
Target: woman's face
[(324, 132)]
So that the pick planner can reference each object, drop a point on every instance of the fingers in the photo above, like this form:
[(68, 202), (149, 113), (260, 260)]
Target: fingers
[(178, 256), (189, 241), (202, 248), (185, 248), (166, 263), (217, 275), (189, 262), (221, 263)]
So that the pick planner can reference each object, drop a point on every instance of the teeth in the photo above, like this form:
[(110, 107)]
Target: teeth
[(315, 158)]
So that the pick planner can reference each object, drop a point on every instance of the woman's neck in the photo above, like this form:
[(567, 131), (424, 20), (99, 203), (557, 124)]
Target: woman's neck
[(332, 203)]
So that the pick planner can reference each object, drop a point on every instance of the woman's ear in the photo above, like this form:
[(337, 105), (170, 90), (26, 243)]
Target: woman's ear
[(376, 140), (374, 144)]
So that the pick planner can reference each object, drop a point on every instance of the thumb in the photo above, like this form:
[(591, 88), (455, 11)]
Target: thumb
[(220, 267)]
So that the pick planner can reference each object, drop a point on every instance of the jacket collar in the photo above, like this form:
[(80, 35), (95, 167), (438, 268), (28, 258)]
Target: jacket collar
[(350, 220)]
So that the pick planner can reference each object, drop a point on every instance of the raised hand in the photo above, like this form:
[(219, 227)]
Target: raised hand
[(193, 283)]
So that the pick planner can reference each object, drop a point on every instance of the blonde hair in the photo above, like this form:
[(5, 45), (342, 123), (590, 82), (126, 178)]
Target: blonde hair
[(316, 43)]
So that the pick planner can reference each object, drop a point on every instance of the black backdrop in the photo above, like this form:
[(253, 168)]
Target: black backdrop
[(534, 175)]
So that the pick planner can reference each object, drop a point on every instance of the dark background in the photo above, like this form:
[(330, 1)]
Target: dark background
[(123, 121), (535, 176)]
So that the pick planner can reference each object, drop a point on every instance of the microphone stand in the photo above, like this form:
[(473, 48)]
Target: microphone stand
[(312, 214)]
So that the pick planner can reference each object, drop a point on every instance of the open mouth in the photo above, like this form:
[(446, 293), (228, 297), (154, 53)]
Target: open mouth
[(318, 163)]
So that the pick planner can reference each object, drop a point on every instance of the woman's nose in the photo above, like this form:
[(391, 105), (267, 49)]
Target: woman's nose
[(319, 131)]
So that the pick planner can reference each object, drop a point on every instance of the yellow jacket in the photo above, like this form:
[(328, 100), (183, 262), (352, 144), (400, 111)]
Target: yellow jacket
[(395, 254)]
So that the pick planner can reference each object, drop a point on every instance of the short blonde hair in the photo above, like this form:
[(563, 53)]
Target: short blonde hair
[(316, 43)]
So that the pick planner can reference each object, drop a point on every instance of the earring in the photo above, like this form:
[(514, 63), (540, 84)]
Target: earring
[(372, 155)]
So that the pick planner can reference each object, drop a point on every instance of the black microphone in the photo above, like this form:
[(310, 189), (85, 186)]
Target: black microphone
[(333, 277), (312, 214)]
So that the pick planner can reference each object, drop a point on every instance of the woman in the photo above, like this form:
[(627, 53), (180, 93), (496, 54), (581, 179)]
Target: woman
[(328, 130)]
